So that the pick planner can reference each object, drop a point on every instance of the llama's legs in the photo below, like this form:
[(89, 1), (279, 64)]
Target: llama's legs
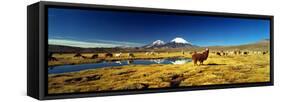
[(195, 62), (201, 62)]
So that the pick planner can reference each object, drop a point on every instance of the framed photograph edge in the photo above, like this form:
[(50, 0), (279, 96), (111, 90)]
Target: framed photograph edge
[(37, 80)]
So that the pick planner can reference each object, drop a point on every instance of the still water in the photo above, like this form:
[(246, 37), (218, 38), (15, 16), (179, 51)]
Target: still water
[(79, 67)]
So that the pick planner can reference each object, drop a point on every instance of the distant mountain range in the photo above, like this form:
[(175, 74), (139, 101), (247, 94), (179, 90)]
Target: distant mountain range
[(262, 45), (175, 43)]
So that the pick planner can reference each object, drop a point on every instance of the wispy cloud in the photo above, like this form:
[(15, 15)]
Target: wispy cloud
[(93, 43)]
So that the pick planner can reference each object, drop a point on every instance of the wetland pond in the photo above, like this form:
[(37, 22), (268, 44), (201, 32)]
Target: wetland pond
[(79, 67)]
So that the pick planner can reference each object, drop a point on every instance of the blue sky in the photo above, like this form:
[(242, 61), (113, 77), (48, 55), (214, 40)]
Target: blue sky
[(93, 28)]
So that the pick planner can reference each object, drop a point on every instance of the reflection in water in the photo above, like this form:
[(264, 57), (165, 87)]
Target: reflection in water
[(182, 61), (118, 62), (50, 68), (158, 61), (171, 61), (109, 64)]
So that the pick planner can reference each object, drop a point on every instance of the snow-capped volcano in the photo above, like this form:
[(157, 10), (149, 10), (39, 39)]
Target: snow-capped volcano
[(178, 43), (175, 43), (180, 40), (156, 43)]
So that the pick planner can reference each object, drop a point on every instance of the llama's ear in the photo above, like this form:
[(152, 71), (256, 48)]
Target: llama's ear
[(207, 48)]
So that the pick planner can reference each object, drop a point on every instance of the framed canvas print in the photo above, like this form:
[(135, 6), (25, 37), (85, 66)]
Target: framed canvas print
[(82, 50)]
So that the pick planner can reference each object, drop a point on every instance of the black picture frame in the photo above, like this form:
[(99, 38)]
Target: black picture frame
[(38, 45)]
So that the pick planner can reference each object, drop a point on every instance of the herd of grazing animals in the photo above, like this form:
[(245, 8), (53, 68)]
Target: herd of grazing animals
[(226, 53), (94, 56), (196, 57), (153, 53), (201, 57), (77, 55)]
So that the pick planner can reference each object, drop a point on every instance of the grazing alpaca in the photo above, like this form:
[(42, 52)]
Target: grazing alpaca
[(84, 57), (77, 55), (218, 53), (147, 53), (51, 58), (224, 53), (201, 57), (151, 53), (95, 56), (235, 52), (108, 55), (118, 54), (239, 52), (131, 55), (245, 53)]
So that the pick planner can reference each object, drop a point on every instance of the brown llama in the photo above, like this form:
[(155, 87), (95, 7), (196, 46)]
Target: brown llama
[(84, 57), (218, 53), (201, 57), (51, 58), (77, 55), (95, 56), (245, 53), (131, 55), (108, 55)]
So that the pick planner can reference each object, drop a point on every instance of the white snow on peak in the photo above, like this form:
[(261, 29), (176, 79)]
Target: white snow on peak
[(180, 40), (158, 42)]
